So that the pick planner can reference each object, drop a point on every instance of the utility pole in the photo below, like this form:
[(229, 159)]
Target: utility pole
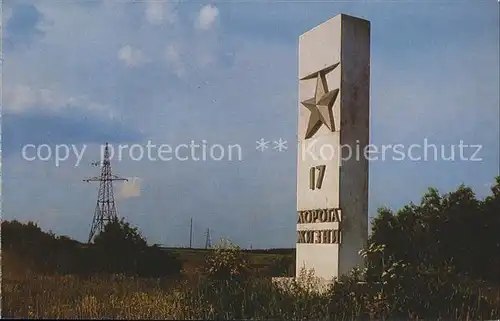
[(105, 209), (191, 234)]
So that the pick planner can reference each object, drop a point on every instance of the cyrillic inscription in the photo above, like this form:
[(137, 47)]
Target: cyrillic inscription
[(327, 215), (319, 237)]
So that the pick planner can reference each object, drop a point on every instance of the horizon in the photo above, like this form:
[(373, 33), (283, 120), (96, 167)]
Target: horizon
[(223, 76)]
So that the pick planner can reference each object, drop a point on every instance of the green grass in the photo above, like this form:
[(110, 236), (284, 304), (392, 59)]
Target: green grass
[(118, 297), (27, 294), (194, 259), (128, 298)]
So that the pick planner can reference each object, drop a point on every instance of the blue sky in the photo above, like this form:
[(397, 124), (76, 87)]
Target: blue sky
[(226, 72)]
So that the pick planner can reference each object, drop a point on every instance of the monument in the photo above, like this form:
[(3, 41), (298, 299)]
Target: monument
[(333, 134)]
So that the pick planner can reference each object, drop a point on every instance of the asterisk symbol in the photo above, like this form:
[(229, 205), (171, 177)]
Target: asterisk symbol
[(261, 144), (280, 145)]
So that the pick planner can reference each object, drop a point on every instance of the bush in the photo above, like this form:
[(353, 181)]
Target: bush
[(226, 262)]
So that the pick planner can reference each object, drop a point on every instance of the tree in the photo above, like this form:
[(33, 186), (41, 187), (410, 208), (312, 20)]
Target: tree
[(453, 230), (120, 248), (118, 234)]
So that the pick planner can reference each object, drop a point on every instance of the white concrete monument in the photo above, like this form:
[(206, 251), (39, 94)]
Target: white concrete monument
[(333, 133)]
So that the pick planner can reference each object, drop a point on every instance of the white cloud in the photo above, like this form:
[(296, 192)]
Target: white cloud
[(131, 188), (157, 12), (207, 17), (21, 98), (154, 12), (172, 53), (173, 58), (132, 57)]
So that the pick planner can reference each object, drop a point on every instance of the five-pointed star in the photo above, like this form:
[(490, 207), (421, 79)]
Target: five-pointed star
[(321, 104)]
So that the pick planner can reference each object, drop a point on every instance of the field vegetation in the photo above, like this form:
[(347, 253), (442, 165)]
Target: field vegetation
[(439, 259)]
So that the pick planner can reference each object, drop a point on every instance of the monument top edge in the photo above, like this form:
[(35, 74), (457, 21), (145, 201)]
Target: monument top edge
[(338, 16)]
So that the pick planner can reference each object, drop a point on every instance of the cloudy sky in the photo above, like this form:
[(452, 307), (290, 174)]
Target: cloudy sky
[(169, 72)]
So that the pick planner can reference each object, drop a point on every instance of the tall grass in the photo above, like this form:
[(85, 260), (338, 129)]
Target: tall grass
[(118, 297)]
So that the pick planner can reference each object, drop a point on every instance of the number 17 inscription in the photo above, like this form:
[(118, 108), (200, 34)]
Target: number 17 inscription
[(316, 183)]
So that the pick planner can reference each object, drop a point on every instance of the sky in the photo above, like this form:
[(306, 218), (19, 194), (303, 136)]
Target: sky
[(82, 73)]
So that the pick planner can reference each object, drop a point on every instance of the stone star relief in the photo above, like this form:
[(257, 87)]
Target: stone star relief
[(321, 104)]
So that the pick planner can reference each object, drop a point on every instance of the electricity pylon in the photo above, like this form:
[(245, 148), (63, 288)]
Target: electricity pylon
[(208, 240), (105, 209)]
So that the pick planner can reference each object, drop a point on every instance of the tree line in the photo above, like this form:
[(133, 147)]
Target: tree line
[(445, 234), (118, 249)]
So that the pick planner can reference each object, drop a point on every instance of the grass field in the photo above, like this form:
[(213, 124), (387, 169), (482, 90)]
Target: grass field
[(129, 298), (193, 259), (28, 294)]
